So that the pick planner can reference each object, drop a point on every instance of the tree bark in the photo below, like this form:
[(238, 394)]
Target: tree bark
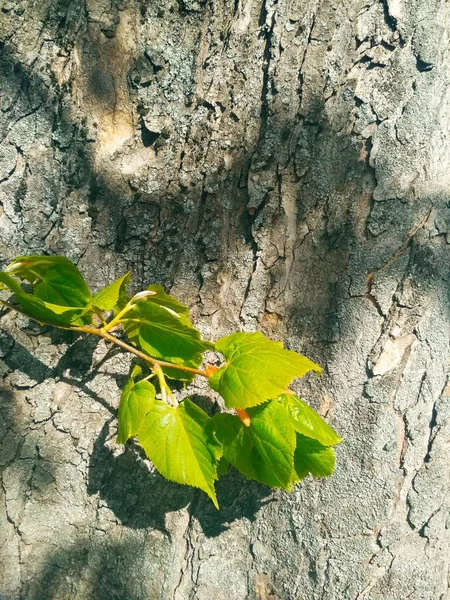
[(277, 165)]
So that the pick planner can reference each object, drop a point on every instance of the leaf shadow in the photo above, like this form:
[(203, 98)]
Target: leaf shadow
[(141, 498), (108, 564)]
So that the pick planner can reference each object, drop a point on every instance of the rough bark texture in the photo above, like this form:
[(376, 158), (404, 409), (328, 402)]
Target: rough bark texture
[(279, 165)]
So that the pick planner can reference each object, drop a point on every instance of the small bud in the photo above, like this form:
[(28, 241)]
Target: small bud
[(142, 295), (244, 416), (210, 370)]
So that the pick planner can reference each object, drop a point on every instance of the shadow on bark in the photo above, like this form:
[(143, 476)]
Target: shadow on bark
[(77, 362), (107, 565), (157, 232), (152, 233), (141, 498)]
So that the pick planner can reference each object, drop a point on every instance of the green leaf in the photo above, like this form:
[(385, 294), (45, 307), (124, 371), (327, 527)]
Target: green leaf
[(38, 309), (170, 303), (264, 451), (55, 279), (164, 335), (312, 457), (181, 445), (307, 422), (222, 467), (257, 369), (12, 284), (136, 401), (108, 298), (60, 295)]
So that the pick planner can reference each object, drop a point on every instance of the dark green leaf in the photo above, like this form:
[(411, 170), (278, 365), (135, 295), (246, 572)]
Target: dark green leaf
[(311, 457), (264, 451), (38, 309), (257, 369), (181, 445), (55, 279), (109, 297), (308, 422), (222, 467), (136, 401)]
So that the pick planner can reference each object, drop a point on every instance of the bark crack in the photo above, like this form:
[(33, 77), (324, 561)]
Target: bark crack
[(187, 568), (267, 32)]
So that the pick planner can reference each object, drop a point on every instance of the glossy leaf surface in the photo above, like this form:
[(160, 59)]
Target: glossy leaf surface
[(308, 422), (264, 451), (55, 279), (181, 445), (40, 310), (109, 297), (164, 335), (257, 369), (169, 303)]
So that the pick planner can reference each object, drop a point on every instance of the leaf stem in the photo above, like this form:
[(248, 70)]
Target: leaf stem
[(102, 333), (116, 320), (166, 392), (153, 361), (18, 310)]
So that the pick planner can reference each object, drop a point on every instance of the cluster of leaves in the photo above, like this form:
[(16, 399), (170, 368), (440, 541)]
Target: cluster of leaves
[(268, 434)]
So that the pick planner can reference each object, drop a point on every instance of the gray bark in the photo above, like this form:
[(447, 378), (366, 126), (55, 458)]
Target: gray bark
[(278, 165)]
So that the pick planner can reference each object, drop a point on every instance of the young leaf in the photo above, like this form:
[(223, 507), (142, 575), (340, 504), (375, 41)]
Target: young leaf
[(307, 422), (170, 303), (311, 457), (55, 279), (108, 298), (181, 445), (136, 401), (164, 335), (264, 451), (257, 369)]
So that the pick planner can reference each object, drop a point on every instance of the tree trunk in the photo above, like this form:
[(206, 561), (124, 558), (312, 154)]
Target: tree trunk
[(278, 165)]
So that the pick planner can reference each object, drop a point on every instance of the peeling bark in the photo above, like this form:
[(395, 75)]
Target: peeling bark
[(277, 165)]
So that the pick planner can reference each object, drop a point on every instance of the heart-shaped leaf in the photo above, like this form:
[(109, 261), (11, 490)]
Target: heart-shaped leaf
[(256, 370), (181, 445)]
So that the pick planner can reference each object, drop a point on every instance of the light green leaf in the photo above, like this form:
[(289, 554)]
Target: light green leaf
[(311, 457), (307, 422), (264, 451), (181, 445), (108, 298), (55, 279), (162, 335), (256, 369), (136, 401)]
